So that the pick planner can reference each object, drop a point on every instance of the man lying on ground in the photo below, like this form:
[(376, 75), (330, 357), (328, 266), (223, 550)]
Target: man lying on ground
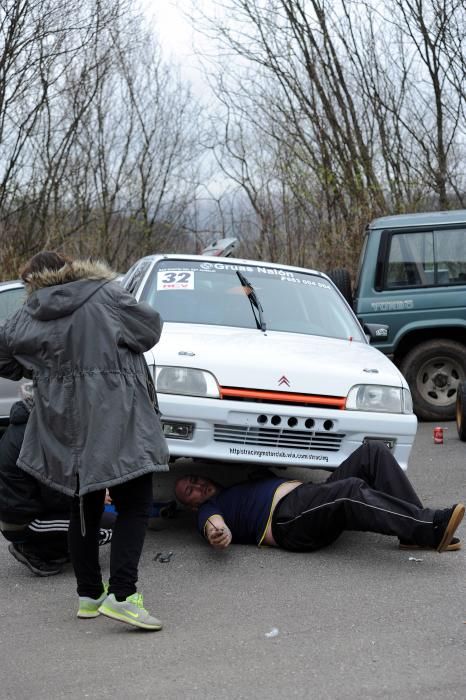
[(368, 492)]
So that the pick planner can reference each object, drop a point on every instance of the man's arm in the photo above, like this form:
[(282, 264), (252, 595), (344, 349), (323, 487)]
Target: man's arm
[(217, 532)]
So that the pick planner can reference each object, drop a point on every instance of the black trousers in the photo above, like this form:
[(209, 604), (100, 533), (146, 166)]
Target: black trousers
[(45, 537), (369, 492), (132, 501)]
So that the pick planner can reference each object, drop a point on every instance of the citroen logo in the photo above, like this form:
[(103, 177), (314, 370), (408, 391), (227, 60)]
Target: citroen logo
[(283, 380)]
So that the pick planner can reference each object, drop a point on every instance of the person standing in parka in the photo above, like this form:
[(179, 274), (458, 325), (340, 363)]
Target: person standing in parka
[(81, 337)]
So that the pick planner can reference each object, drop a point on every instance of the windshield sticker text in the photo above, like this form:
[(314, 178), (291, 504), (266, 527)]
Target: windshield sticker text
[(284, 274), (211, 267), (207, 266), (310, 283), (181, 279)]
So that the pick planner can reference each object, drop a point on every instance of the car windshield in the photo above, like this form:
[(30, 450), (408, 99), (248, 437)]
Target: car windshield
[(10, 301), (249, 296)]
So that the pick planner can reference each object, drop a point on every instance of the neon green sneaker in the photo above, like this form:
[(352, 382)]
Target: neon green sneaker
[(131, 611), (89, 607)]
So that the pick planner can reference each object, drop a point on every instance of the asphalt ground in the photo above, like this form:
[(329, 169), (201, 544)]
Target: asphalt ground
[(360, 619)]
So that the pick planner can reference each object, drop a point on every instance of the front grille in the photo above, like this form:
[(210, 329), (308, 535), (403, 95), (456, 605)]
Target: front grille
[(276, 437)]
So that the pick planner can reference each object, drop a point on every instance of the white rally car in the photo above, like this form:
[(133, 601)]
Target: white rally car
[(266, 363)]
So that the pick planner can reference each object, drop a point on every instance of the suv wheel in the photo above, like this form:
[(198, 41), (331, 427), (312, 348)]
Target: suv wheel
[(434, 371), (341, 279), (461, 411)]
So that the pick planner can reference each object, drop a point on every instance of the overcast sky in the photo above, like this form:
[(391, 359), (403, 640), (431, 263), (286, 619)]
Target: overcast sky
[(176, 35), (174, 31)]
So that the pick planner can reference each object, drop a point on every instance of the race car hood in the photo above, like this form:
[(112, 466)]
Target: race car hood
[(246, 358)]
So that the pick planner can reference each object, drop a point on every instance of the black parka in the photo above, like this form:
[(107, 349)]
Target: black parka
[(81, 336)]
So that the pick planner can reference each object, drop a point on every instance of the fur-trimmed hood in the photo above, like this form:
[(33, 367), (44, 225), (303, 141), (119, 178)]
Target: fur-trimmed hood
[(57, 293), (71, 272)]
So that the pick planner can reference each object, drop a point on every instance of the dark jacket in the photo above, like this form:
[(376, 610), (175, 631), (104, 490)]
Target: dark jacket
[(22, 497), (81, 336)]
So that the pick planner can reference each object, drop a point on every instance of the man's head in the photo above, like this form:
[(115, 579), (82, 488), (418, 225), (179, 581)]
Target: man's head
[(193, 491)]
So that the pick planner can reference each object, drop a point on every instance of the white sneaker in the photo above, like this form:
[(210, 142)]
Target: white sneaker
[(89, 607), (131, 611)]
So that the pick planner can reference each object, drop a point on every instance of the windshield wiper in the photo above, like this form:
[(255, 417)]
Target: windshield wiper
[(254, 301)]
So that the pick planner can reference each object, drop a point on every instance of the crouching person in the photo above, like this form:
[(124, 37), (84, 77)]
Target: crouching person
[(33, 517)]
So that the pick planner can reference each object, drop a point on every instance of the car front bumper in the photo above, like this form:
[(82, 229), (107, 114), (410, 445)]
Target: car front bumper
[(277, 434)]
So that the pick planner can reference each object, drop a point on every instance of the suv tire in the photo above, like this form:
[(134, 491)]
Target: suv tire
[(341, 278), (461, 411), (435, 370)]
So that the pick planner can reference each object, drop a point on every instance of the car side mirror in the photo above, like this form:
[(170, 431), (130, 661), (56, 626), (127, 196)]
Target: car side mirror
[(376, 331)]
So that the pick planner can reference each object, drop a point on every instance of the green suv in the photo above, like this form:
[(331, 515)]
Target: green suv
[(411, 289)]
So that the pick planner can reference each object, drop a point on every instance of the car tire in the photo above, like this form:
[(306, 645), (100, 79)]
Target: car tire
[(461, 411), (341, 278), (434, 371)]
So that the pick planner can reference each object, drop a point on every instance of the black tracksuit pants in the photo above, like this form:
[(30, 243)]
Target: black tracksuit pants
[(132, 501), (369, 492), (45, 537)]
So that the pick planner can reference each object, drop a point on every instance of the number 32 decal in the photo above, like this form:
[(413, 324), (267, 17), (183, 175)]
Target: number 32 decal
[(175, 280)]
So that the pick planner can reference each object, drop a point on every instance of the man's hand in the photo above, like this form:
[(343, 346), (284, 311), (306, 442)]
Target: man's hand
[(217, 532)]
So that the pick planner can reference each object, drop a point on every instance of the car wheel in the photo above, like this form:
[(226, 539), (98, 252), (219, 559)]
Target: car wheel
[(434, 370), (461, 411), (341, 278)]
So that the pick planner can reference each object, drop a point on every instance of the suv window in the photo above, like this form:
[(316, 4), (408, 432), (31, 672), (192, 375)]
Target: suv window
[(410, 260), (426, 259), (450, 256)]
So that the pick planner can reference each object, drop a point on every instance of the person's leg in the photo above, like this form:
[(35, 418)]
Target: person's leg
[(132, 501), (20, 548), (48, 536), (45, 537), (313, 515), (375, 464), (84, 547)]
